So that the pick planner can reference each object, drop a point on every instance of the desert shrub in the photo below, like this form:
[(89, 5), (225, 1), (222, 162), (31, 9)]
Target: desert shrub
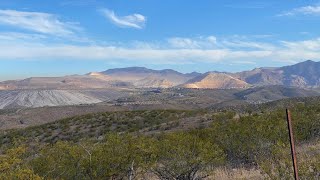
[(223, 116), (309, 162), (256, 140), (13, 165), (112, 158), (185, 156), (250, 136), (277, 164)]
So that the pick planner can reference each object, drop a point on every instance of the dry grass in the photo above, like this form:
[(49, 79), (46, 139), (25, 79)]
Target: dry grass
[(233, 174), (221, 174)]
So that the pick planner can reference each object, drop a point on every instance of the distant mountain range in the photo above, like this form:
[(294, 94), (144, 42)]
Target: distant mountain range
[(302, 75), (143, 77)]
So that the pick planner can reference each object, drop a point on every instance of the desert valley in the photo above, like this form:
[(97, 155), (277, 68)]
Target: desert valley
[(142, 88), (151, 102), (159, 90)]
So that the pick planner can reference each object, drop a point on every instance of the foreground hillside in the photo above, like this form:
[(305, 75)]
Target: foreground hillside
[(162, 144)]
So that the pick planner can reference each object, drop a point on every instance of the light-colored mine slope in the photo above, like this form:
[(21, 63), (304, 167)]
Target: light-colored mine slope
[(39, 98), (216, 81)]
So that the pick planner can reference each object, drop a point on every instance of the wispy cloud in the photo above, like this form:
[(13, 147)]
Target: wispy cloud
[(109, 53), (283, 51), (39, 22), (193, 43), (132, 21), (212, 42), (247, 44), (176, 50), (14, 36), (310, 45), (305, 10)]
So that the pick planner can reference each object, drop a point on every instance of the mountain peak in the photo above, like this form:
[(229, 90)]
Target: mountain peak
[(134, 74), (307, 62), (304, 64), (169, 71), (129, 70)]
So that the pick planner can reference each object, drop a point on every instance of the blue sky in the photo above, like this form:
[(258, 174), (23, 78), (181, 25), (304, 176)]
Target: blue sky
[(60, 37)]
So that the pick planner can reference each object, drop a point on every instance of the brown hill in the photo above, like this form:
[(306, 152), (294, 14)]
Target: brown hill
[(90, 81), (138, 74), (153, 82), (305, 74), (260, 76), (215, 81)]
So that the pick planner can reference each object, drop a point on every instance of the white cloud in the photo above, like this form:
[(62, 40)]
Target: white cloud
[(193, 43), (305, 10), (244, 62), (306, 45), (247, 44), (212, 39), (190, 50), (310, 45), (211, 42), (183, 43), (108, 53), (38, 22), (14, 36), (133, 21)]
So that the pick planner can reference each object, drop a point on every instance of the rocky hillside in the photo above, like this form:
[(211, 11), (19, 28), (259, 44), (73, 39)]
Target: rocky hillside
[(271, 93), (139, 74), (39, 98), (304, 74), (153, 82), (216, 81)]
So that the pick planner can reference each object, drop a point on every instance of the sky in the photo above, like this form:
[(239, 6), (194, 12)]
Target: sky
[(64, 37)]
